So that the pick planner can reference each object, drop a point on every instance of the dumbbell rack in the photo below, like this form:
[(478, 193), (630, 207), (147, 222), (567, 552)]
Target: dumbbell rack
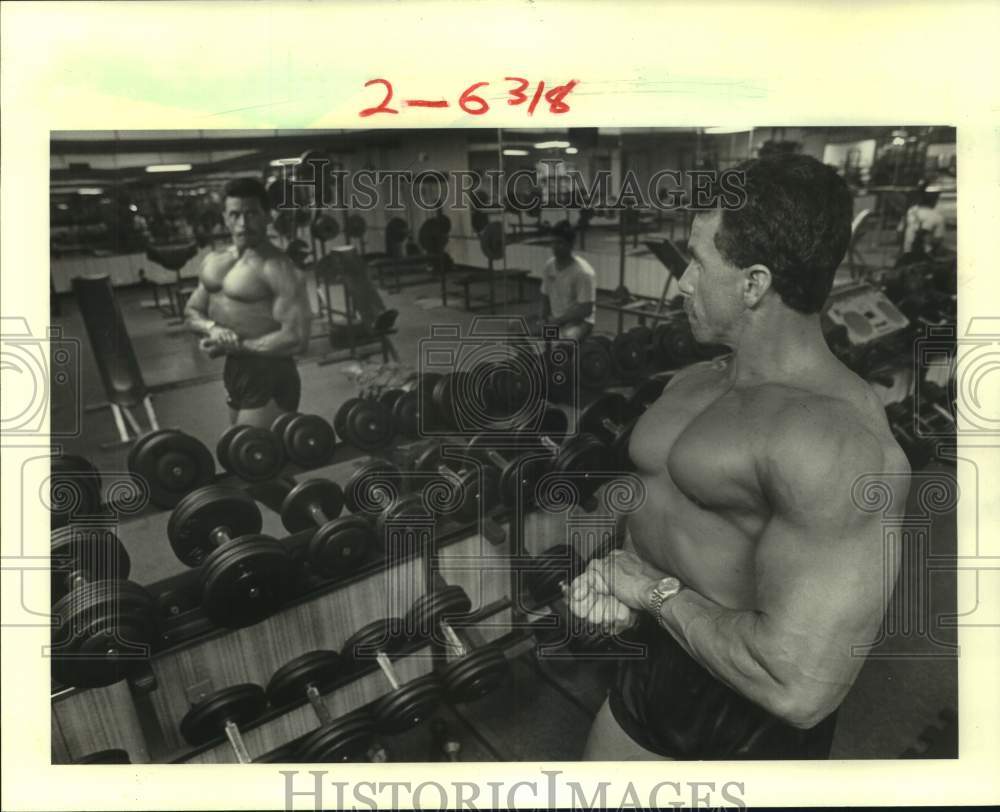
[(194, 655)]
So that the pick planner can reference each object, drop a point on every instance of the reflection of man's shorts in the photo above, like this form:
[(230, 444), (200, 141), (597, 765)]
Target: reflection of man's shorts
[(669, 704), (253, 380)]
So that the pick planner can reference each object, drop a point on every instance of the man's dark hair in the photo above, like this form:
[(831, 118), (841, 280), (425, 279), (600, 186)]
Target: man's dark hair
[(563, 230), (248, 187), (796, 221)]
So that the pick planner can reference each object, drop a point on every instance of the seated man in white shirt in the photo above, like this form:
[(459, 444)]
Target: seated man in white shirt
[(569, 287), (923, 228)]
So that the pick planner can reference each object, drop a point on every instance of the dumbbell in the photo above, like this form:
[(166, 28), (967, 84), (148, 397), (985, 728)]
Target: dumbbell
[(583, 458), (307, 439), (250, 453), (647, 393), (477, 488), (371, 486), (673, 343), (410, 407), (223, 713), (630, 352), (473, 672), (106, 623), (596, 364), (445, 746), (363, 423), (406, 705), (74, 489), (311, 675), (611, 419), (519, 471), (338, 545), (172, 464), (547, 577), (244, 576)]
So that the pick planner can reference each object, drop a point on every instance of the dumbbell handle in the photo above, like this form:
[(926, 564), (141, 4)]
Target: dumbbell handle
[(386, 665), (220, 535), (612, 426), (456, 642), (236, 740), (943, 412), (317, 513), (316, 700)]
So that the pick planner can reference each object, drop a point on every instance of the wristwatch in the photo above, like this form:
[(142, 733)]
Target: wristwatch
[(662, 590)]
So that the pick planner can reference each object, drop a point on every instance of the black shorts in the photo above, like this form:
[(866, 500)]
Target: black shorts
[(253, 380), (669, 703)]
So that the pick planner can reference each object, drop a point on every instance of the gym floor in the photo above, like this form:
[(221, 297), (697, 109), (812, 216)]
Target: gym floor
[(892, 710)]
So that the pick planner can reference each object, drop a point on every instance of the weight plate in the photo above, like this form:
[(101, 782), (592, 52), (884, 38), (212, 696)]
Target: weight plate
[(553, 423), (595, 363), (389, 397), (340, 418), (172, 464), (646, 394), (320, 669), (105, 757), (93, 552), (341, 546), (206, 720), (104, 631), (557, 565), (433, 607), (428, 416), (406, 415), (309, 441), (203, 511), (347, 739), (444, 400), (384, 635), (366, 425), (74, 489), (518, 480), (222, 444), (254, 454), (478, 673), (409, 705), (628, 353), (245, 581), (136, 450), (587, 460), (373, 487), (282, 420), (297, 506)]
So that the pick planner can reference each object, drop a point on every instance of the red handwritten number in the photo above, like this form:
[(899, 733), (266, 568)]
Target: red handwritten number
[(471, 103), (535, 98), (555, 97), (517, 96), (383, 105)]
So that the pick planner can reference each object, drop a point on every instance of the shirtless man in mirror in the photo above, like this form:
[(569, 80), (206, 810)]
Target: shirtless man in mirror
[(750, 575), (251, 306)]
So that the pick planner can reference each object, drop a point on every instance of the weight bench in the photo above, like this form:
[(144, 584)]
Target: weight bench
[(473, 276)]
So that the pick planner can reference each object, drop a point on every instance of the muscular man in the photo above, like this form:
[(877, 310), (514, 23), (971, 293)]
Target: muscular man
[(251, 306), (568, 287), (750, 576)]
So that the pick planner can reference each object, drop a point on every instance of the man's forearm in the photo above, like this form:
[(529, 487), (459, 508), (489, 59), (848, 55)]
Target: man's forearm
[(577, 312), (280, 343), (736, 647), (197, 321)]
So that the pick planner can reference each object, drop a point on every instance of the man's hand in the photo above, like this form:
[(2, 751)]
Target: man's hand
[(590, 599), (623, 576), (223, 337), (215, 350)]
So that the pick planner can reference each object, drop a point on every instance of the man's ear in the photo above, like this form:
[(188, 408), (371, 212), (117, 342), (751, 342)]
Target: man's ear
[(756, 282)]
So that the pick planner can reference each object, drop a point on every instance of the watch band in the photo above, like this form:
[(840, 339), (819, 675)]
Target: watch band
[(665, 588)]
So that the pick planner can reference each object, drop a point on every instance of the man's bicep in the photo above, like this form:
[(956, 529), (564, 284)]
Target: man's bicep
[(198, 300), (586, 290)]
